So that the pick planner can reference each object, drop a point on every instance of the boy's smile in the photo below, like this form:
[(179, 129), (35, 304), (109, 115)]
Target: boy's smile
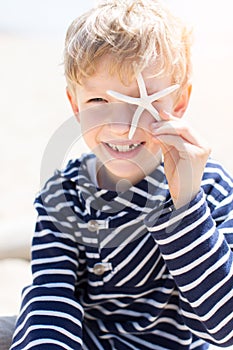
[(123, 150), (106, 124)]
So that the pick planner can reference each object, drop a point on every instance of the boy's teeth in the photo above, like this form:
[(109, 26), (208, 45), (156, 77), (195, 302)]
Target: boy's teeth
[(124, 148)]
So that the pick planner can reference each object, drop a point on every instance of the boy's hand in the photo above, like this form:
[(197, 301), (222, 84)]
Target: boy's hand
[(185, 156)]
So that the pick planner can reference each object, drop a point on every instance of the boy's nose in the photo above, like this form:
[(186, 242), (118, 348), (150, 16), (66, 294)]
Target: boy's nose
[(121, 118), (119, 127)]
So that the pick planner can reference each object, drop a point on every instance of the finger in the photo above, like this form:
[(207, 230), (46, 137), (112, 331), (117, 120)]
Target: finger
[(179, 128), (165, 116), (170, 142)]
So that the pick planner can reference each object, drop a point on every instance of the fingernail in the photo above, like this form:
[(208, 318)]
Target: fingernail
[(166, 114)]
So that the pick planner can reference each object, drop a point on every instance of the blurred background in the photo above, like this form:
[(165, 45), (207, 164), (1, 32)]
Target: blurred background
[(33, 102)]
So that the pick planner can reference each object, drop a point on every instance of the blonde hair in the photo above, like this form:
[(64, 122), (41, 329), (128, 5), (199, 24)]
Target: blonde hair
[(134, 33)]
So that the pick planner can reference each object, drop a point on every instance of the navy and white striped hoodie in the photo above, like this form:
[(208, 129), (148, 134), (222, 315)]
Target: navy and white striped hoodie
[(123, 271)]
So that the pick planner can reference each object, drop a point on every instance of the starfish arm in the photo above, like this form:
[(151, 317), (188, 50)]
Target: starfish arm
[(122, 97), (142, 86), (135, 121), (163, 92), (153, 111), (143, 102)]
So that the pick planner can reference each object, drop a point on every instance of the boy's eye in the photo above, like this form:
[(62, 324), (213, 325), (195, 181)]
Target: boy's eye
[(97, 99)]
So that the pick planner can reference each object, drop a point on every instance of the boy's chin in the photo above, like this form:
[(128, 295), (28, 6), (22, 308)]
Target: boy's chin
[(116, 170)]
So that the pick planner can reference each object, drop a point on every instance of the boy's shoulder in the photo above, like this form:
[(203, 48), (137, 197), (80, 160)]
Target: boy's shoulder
[(217, 171), (67, 178), (73, 169), (216, 180)]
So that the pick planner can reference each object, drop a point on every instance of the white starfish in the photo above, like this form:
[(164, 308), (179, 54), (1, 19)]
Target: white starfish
[(143, 102)]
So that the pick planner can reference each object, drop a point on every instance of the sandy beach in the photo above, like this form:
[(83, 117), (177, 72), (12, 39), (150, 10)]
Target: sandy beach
[(33, 106)]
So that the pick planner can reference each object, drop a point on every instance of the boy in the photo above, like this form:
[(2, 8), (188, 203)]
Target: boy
[(131, 251)]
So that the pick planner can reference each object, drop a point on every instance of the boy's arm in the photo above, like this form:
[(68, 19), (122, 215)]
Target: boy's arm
[(50, 316), (195, 244)]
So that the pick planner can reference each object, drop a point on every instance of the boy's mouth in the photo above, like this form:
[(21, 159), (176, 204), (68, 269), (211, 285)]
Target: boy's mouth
[(123, 148)]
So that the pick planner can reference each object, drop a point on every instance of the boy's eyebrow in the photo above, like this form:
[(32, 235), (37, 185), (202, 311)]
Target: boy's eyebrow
[(144, 101)]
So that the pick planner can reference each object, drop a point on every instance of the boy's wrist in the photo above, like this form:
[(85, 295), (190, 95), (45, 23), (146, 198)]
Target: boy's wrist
[(167, 217), (185, 200)]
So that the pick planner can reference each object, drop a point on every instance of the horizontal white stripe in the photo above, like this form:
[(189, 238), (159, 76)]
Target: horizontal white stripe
[(113, 296), (59, 285), (216, 185), (147, 195), (90, 240), (213, 290), (60, 205), (58, 182), (192, 245), (56, 259), (179, 217), (211, 338), (127, 313), (145, 343), (100, 193), (212, 170), (58, 299), (133, 206), (204, 318), (192, 265), (49, 341), (184, 231), (53, 245), (208, 272), (44, 232), (95, 283), (226, 230), (158, 321), (156, 304), (54, 195), (49, 313), (55, 272), (157, 184), (41, 341), (91, 255), (52, 219), (54, 209), (73, 169)]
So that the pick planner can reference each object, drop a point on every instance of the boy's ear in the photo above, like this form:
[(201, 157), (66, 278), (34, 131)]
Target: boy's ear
[(72, 100), (183, 101)]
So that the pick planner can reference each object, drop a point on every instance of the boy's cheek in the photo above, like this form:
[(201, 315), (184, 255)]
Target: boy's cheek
[(89, 137), (146, 121)]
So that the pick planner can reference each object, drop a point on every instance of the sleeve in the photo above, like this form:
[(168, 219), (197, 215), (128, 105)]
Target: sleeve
[(196, 243), (51, 317)]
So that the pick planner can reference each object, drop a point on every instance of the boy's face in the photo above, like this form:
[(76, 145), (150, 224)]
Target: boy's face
[(106, 123)]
